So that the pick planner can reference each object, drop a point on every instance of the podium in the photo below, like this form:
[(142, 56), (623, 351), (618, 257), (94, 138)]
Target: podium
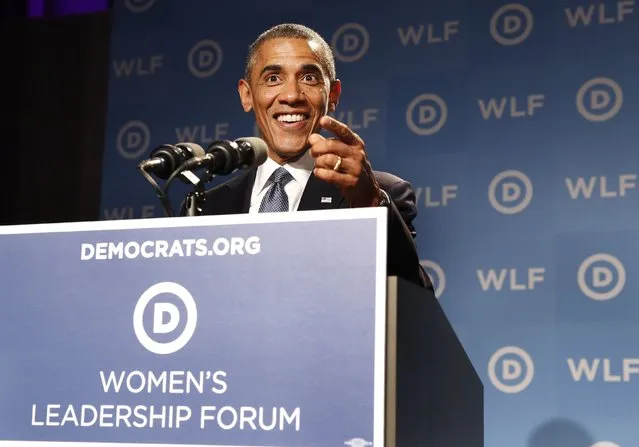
[(274, 330)]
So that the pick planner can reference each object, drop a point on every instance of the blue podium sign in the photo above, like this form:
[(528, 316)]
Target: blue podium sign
[(246, 330)]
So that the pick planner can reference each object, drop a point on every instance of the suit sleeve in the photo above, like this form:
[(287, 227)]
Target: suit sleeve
[(403, 259)]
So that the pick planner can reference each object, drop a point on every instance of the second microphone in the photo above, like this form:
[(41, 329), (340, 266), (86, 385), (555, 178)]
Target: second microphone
[(224, 157)]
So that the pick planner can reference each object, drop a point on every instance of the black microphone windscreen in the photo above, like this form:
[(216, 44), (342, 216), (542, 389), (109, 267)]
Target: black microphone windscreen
[(195, 148), (260, 149)]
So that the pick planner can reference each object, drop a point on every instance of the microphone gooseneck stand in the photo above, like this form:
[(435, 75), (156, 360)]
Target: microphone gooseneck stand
[(164, 200), (194, 202)]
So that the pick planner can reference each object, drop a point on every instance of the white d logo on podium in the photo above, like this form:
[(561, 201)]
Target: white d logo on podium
[(162, 325)]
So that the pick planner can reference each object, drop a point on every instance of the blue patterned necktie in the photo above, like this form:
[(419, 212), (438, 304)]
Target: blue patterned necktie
[(276, 200)]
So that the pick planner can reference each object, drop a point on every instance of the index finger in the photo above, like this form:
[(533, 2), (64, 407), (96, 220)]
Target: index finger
[(339, 129)]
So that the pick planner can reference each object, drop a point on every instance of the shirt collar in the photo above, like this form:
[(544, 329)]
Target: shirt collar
[(300, 170)]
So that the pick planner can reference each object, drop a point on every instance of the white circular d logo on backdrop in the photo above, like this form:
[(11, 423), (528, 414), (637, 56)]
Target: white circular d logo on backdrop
[(436, 275), (601, 276), (599, 99), (516, 26), (205, 58), (138, 6), (350, 42), (519, 367), (431, 115), (510, 192), (133, 139)]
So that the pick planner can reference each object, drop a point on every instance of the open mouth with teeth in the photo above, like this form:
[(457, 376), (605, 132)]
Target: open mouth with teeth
[(292, 120)]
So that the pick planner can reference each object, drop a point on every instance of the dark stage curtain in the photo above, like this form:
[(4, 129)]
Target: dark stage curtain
[(55, 75)]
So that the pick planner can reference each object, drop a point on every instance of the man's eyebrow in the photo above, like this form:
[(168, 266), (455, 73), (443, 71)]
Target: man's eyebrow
[(271, 68), (312, 67), (276, 68)]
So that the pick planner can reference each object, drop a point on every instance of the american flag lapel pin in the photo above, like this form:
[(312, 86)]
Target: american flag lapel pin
[(327, 200)]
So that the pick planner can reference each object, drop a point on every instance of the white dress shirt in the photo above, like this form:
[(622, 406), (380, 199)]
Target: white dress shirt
[(300, 170)]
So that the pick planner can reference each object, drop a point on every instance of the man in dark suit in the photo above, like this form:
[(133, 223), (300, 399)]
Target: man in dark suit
[(291, 86)]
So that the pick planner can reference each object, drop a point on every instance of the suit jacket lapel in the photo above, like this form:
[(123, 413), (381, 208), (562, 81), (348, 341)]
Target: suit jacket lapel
[(246, 185), (319, 195), (234, 196)]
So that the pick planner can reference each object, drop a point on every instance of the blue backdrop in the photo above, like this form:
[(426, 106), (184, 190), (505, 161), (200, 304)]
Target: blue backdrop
[(515, 123)]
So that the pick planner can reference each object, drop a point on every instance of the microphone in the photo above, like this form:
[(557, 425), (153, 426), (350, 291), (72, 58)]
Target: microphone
[(224, 157), (167, 158)]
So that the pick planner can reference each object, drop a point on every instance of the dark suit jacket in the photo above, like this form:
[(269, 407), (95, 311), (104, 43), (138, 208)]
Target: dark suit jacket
[(234, 197)]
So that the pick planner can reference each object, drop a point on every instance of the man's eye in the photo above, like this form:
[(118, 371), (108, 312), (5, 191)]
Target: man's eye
[(272, 78), (311, 78)]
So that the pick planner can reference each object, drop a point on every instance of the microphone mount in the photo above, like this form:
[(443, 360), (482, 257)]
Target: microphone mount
[(222, 157), (163, 162)]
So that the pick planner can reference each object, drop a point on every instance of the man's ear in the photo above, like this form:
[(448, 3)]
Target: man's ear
[(246, 98), (333, 95)]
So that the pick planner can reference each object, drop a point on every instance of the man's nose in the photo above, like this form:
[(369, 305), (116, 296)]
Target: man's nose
[(291, 92)]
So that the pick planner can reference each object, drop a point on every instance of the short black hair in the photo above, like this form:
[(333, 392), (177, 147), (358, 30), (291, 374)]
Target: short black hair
[(293, 31)]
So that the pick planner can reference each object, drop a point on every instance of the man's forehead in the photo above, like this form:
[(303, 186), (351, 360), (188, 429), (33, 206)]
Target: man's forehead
[(291, 52)]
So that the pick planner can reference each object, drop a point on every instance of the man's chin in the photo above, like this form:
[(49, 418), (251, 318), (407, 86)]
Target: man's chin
[(291, 154)]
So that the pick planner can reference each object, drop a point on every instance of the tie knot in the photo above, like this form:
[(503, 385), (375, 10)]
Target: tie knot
[(281, 176)]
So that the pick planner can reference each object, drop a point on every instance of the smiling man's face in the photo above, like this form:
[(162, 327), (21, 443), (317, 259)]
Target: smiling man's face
[(289, 91)]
